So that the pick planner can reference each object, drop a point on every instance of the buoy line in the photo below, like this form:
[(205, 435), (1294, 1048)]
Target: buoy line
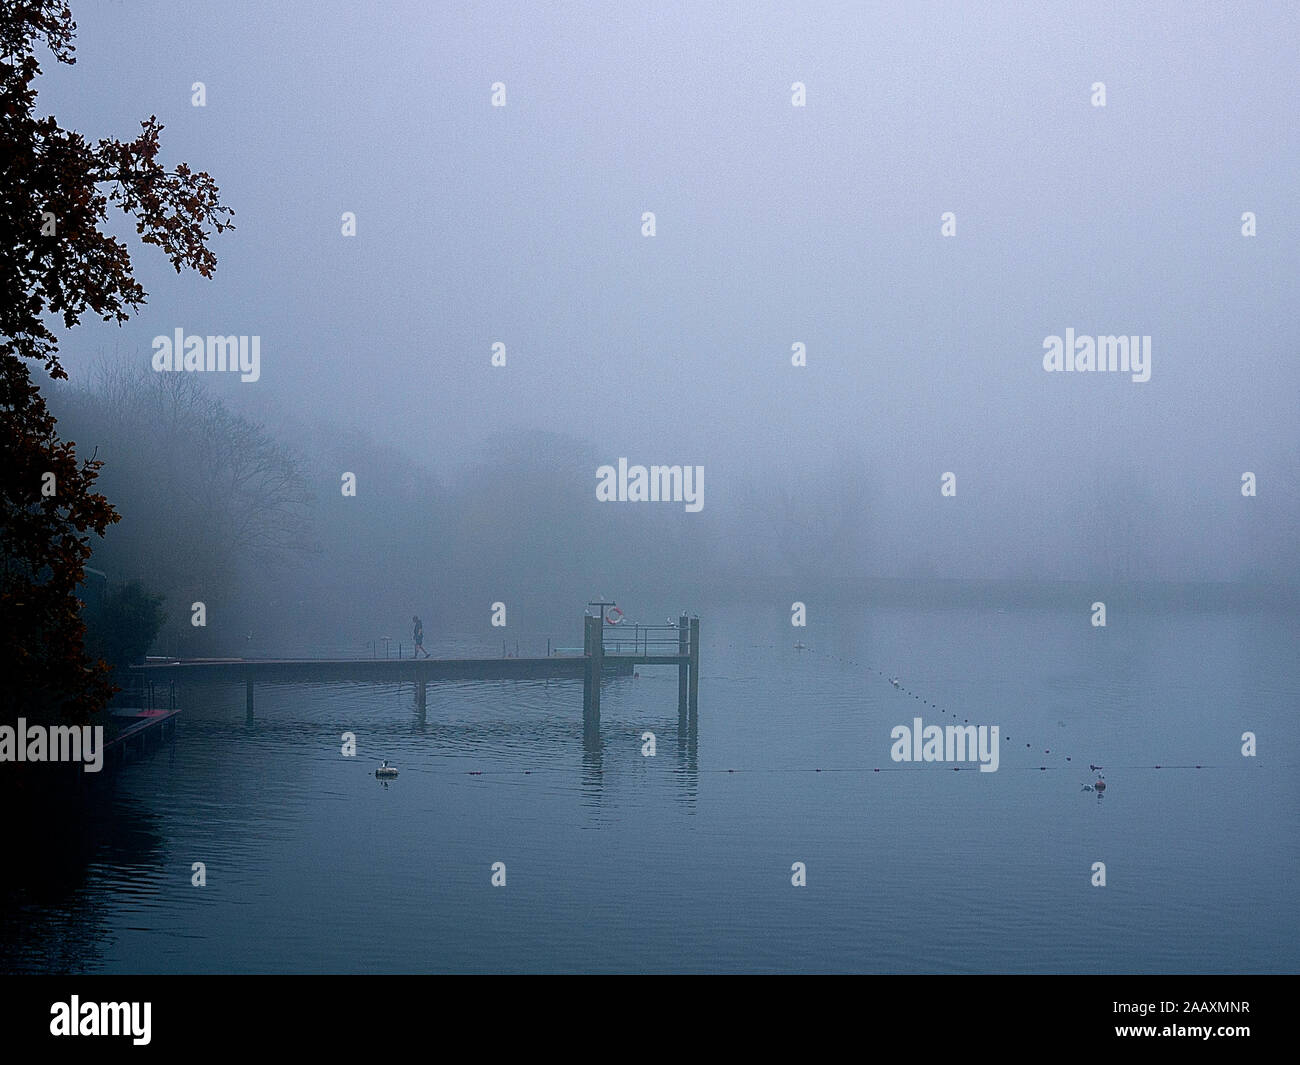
[(1099, 785)]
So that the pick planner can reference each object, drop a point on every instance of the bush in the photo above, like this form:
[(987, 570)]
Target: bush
[(123, 625)]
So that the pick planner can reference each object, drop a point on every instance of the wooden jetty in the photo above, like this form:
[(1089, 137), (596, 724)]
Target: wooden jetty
[(141, 727), (605, 649)]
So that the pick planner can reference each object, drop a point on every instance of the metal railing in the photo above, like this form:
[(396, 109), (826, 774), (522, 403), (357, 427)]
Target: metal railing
[(642, 639), (135, 692)]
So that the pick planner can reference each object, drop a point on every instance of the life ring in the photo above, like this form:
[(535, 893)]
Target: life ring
[(614, 616)]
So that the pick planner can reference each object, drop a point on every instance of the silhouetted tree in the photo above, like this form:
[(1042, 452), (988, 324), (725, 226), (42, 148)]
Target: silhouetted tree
[(189, 522), (56, 260)]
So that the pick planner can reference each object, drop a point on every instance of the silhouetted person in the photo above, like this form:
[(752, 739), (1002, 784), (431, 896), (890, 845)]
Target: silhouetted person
[(418, 634)]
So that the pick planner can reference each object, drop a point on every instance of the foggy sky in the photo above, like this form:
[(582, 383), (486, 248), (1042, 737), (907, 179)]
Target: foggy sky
[(775, 224)]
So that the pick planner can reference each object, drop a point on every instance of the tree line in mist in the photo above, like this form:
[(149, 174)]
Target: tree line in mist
[(251, 521)]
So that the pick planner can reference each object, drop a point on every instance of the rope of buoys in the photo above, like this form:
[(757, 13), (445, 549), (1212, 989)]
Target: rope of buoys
[(1099, 785), (869, 769), (897, 684)]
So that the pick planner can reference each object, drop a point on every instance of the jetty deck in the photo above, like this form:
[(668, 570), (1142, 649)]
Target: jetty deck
[(140, 726), (666, 645)]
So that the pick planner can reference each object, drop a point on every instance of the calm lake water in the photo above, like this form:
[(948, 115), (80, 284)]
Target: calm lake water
[(682, 861)]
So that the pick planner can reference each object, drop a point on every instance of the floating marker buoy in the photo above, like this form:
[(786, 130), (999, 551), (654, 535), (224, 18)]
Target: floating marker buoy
[(1100, 785)]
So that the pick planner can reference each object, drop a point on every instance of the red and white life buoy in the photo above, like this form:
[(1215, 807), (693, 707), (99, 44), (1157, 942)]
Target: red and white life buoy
[(613, 616)]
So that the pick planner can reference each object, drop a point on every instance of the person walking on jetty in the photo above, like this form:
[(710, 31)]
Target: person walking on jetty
[(418, 634)]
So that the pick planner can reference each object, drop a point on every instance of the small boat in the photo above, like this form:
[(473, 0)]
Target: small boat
[(386, 771)]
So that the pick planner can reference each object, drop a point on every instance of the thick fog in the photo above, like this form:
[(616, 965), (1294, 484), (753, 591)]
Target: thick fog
[(776, 223)]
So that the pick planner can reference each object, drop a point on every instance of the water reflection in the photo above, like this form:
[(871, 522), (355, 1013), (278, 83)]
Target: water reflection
[(298, 841), (54, 914), (688, 757)]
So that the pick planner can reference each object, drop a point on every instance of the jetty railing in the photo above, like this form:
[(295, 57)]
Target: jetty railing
[(137, 692), (637, 639)]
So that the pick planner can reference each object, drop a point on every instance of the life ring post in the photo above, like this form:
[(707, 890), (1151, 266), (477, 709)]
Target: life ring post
[(594, 653), (601, 606)]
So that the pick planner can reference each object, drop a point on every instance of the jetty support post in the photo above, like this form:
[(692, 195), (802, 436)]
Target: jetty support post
[(683, 669), (695, 664), (594, 650)]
